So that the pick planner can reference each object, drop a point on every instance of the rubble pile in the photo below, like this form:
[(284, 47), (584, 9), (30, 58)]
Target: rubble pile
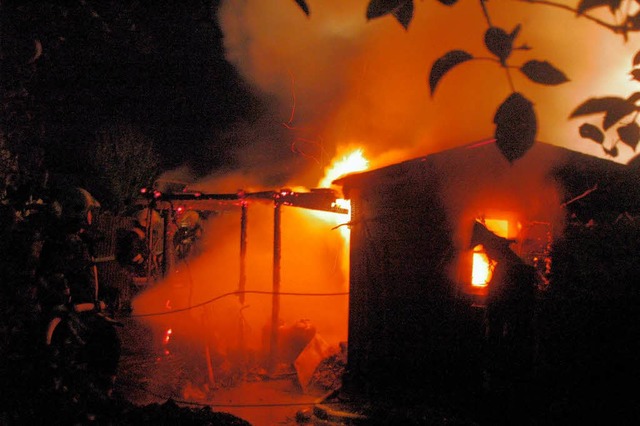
[(328, 375)]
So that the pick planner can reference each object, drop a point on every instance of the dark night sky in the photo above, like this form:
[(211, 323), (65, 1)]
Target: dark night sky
[(159, 66)]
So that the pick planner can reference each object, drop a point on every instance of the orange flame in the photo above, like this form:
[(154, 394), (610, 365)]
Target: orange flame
[(482, 270), (350, 163), (482, 267)]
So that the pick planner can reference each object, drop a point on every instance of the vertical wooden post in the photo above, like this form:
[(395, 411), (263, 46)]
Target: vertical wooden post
[(166, 252), (243, 252), (150, 241), (275, 304), (242, 279)]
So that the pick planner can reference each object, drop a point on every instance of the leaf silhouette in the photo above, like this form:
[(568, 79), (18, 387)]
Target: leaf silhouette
[(589, 131), (303, 5), (499, 43), (617, 112), (404, 14), (515, 32), (635, 74), (636, 59), (596, 105), (443, 64), (629, 134), (586, 5), (378, 8), (634, 98), (516, 126), (448, 2), (543, 72)]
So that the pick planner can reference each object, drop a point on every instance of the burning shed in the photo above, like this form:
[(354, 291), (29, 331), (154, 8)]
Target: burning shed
[(416, 311)]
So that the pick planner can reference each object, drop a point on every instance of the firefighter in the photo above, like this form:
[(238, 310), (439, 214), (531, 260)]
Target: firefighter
[(139, 247), (187, 237), (83, 346), (66, 271)]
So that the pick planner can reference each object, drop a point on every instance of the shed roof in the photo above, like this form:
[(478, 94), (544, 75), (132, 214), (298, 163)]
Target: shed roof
[(610, 185)]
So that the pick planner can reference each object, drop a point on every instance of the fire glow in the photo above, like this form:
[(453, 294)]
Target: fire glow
[(482, 267), (482, 271), (196, 313), (350, 163)]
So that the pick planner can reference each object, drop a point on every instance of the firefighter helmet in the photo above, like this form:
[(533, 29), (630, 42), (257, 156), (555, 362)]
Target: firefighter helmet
[(76, 206), (189, 219), (146, 215)]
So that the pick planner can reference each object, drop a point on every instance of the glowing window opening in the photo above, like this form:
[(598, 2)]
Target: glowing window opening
[(482, 269), (483, 266)]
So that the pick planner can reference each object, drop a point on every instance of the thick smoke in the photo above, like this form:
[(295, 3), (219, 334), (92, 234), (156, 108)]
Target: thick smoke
[(236, 334), (340, 80), (336, 78)]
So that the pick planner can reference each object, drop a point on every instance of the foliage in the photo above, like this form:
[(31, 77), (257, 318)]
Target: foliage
[(617, 111), (515, 126), (501, 44), (125, 161), (402, 10)]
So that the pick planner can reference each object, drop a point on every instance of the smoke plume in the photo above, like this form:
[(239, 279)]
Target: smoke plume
[(335, 79)]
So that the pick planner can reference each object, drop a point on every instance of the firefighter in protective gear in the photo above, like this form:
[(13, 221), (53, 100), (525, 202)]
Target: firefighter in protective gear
[(187, 235), (139, 247), (83, 346), (66, 270)]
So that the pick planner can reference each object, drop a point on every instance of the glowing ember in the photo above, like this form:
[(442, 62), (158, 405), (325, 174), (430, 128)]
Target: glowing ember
[(166, 339), (167, 336)]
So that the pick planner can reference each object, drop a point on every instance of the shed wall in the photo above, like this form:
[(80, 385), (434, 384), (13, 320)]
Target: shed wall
[(404, 316)]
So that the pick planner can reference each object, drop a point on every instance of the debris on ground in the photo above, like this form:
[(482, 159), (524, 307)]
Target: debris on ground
[(328, 374)]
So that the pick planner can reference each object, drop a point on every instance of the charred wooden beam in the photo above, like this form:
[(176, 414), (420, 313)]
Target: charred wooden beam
[(323, 199)]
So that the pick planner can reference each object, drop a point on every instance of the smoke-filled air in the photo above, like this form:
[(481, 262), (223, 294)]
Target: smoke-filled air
[(336, 79)]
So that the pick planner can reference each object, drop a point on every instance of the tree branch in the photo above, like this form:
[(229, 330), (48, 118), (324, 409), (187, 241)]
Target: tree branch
[(615, 28), (486, 12)]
